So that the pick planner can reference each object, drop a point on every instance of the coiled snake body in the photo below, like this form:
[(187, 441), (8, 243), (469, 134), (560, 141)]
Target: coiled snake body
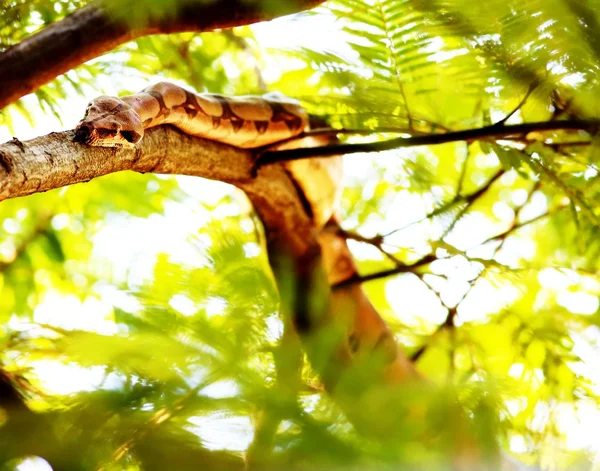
[(244, 121)]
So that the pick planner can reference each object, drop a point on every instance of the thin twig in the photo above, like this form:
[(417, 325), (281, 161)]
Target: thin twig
[(376, 241), (532, 87), (512, 229), (504, 131), (357, 279), (470, 200)]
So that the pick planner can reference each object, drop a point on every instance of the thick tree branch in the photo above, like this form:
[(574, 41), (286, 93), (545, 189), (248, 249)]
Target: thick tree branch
[(486, 132), (95, 30), (54, 161)]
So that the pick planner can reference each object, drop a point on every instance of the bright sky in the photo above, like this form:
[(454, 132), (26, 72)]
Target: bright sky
[(118, 243)]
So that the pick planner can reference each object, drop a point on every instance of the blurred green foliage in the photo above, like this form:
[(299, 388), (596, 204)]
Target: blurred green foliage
[(139, 316)]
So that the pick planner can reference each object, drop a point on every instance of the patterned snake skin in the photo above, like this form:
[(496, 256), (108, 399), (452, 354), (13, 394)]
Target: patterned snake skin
[(243, 121)]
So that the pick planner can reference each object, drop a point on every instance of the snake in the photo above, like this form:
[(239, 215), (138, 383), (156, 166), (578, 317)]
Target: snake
[(248, 122)]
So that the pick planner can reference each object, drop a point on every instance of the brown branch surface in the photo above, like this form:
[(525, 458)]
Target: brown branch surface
[(94, 30), (54, 161)]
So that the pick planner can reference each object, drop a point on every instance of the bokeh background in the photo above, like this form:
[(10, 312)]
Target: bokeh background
[(139, 319)]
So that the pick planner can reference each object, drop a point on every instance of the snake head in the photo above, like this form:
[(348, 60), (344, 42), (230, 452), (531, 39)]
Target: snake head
[(109, 122)]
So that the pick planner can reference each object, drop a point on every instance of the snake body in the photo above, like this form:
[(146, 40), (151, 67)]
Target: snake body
[(242, 121)]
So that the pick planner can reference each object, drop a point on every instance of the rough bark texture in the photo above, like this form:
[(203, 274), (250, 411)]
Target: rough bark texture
[(54, 161), (95, 29)]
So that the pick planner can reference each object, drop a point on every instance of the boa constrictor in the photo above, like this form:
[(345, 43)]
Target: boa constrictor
[(241, 121)]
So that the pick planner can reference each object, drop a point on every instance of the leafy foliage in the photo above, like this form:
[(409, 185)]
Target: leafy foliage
[(141, 340)]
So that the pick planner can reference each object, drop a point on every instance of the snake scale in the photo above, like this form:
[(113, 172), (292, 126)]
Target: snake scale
[(242, 121)]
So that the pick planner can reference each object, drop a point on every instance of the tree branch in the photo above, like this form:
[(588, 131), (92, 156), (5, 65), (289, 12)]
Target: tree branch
[(385, 273), (54, 161), (378, 240), (494, 131), (95, 30), (471, 199)]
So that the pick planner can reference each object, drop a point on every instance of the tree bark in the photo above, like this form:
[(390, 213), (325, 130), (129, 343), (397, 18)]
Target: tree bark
[(54, 161), (101, 27)]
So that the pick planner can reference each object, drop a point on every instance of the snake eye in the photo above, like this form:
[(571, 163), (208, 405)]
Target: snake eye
[(130, 136), (82, 133)]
